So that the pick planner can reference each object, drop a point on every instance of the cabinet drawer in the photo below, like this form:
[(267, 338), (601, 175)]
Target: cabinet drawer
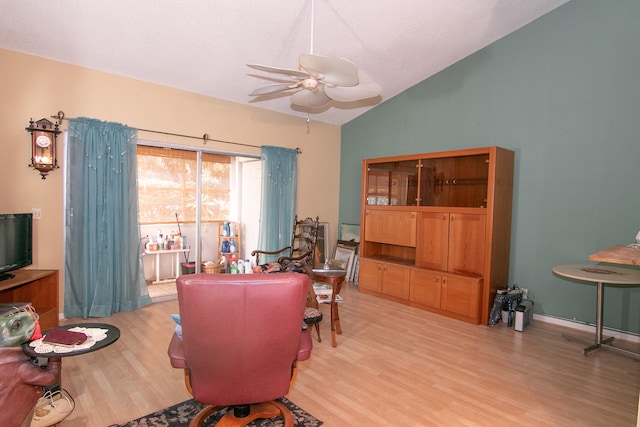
[(390, 227)]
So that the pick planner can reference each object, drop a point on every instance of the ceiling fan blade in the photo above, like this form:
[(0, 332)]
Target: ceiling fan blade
[(308, 99), (293, 73), (367, 88), (337, 71), (278, 87)]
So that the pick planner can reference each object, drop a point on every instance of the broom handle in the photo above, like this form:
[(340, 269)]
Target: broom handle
[(186, 257), (178, 221)]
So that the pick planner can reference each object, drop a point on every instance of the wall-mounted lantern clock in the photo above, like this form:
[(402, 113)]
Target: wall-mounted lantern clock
[(43, 146)]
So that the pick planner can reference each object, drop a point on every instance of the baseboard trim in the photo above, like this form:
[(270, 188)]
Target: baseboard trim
[(587, 327), (573, 324)]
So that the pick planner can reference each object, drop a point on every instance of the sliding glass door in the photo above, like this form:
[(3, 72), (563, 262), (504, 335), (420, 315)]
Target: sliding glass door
[(184, 196)]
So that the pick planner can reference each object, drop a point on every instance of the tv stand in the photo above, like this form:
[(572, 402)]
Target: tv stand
[(38, 287)]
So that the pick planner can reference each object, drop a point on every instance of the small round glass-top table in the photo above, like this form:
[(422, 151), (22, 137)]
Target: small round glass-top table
[(600, 274)]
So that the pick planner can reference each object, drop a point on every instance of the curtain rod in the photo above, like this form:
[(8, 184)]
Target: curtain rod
[(205, 138)]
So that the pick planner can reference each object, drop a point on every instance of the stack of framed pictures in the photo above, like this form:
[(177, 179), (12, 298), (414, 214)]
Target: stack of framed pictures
[(347, 254), (347, 249)]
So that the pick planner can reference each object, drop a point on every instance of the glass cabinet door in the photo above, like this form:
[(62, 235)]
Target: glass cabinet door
[(454, 181), (392, 183)]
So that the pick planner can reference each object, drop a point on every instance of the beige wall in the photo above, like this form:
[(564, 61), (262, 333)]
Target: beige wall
[(33, 87)]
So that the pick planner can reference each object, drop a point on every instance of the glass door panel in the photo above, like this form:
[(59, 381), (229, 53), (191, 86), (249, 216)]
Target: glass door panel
[(454, 181), (392, 183)]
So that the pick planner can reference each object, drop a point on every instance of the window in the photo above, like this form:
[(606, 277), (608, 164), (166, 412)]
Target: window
[(167, 180)]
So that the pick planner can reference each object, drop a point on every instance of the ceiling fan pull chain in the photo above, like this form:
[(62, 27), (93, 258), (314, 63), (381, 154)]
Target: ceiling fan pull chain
[(312, 20)]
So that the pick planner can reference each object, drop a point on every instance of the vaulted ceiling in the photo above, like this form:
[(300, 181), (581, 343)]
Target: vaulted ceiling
[(203, 46)]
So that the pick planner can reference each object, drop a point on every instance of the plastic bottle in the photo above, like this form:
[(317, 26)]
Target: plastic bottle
[(224, 263), (232, 246), (234, 268), (240, 266), (248, 269), (226, 231)]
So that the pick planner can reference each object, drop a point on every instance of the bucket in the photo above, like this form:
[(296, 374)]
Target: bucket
[(188, 268)]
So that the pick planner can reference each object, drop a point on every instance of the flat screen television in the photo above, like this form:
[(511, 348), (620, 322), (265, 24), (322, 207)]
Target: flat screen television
[(16, 232)]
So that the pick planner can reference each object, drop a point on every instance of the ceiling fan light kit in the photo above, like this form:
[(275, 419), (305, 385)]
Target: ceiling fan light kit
[(320, 80)]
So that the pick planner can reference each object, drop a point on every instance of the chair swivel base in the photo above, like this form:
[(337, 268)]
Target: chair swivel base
[(267, 410)]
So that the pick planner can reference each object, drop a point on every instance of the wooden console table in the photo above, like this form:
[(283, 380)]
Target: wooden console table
[(38, 287)]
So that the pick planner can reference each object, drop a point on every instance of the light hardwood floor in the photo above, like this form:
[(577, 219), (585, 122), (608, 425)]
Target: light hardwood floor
[(394, 366)]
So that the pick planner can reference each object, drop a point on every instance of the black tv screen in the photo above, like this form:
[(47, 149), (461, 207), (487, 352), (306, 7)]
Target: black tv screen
[(16, 232)]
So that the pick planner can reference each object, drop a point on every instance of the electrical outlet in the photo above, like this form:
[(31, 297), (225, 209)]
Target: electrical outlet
[(37, 214)]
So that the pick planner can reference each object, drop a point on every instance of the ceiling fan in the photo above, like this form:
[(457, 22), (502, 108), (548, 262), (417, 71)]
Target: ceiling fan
[(320, 79)]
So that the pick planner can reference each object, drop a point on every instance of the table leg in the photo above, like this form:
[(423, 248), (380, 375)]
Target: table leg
[(606, 343), (157, 261), (599, 301), (177, 265), (334, 342), (312, 298), (336, 286), (337, 319), (598, 341)]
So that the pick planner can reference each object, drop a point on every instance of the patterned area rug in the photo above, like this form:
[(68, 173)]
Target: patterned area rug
[(181, 414)]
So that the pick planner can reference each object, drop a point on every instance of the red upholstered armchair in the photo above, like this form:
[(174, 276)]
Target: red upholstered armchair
[(241, 339)]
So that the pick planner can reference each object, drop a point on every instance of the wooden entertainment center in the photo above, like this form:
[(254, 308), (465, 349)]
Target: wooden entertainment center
[(436, 228), (38, 287)]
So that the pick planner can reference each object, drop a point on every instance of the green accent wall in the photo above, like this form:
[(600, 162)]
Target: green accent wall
[(564, 94)]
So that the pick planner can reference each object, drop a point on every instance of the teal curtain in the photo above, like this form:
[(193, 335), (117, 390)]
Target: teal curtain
[(279, 187), (103, 254)]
